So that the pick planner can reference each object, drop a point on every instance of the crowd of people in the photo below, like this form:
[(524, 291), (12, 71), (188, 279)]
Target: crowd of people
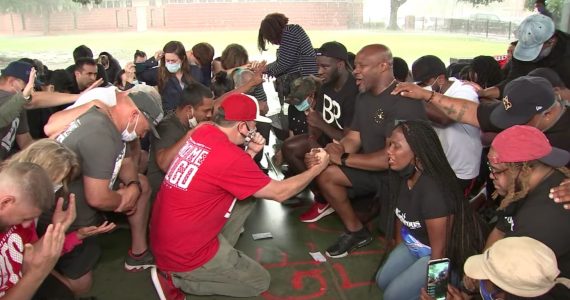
[(369, 137)]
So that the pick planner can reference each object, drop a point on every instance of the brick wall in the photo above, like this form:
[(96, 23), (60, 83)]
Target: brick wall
[(197, 16)]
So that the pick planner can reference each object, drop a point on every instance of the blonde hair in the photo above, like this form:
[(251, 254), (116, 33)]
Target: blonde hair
[(55, 158)]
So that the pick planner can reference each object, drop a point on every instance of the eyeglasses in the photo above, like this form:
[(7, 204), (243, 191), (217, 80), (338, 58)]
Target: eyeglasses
[(495, 172)]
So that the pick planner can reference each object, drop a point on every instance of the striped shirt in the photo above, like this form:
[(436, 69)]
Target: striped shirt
[(295, 54)]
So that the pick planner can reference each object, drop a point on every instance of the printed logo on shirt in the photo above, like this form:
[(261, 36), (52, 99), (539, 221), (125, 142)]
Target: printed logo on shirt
[(70, 128), (331, 111), (186, 164), (511, 222), (8, 139), (410, 224), (11, 258), (118, 163)]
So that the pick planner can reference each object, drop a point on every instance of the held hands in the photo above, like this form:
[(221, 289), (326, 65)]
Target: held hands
[(41, 257), (411, 90), (64, 217), (335, 150), (317, 158)]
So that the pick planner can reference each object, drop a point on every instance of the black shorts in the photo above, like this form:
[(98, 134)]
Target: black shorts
[(80, 260), (53, 289), (365, 183)]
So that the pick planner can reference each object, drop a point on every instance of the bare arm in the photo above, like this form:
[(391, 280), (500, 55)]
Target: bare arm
[(459, 110), (375, 161), (283, 190), (50, 99), (58, 121), (351, 141), (437, 116), (437, 232), (166, 155), (494, 236), (98, 194)]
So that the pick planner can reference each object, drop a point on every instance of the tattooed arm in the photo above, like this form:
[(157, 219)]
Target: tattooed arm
[(459, 110)]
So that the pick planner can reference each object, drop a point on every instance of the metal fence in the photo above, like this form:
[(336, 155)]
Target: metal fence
[(483, 28)]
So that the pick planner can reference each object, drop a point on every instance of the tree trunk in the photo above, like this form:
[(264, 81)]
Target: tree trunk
[(46, 17), (394, 6)]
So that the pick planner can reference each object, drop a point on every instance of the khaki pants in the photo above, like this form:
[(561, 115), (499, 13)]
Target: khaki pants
[(230, 272)]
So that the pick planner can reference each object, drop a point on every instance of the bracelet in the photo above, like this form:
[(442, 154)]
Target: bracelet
[(138, 183), (430, 97)]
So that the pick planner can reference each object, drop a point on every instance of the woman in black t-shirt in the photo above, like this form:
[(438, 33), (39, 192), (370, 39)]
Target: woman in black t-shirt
[(435, 218)]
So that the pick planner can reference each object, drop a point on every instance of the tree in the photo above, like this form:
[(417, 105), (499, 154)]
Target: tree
[(394, 6), (41, 7)]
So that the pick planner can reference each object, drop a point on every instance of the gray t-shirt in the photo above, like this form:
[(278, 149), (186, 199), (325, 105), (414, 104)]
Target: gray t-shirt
[(375, 116), (170, 131), (98, 144), (8, 134)]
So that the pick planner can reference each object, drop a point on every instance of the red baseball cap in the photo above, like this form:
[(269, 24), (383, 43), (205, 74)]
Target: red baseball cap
[(522, 143), (242, 107)]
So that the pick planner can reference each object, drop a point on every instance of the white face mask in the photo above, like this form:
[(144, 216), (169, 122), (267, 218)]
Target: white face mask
[(543, 53), (130, 136), (173, 68), (192, 122)]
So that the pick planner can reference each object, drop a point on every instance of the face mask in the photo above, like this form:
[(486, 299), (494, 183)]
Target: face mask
[(303, 106), (57, 187), (484, 293), (135, 82), (407, 172), (543, 53), (192, 122), (130, 136), (173, 68)]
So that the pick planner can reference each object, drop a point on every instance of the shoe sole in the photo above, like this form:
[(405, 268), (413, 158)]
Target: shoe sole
[(327, 212), (359, 245), (137, 268), (156, 283)]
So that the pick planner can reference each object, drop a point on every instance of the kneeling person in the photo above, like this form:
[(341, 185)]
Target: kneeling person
[(197, 201)]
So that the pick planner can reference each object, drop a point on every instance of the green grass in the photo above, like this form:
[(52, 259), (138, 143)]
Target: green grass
[(55, 50)]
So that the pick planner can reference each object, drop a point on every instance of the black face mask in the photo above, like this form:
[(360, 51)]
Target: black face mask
[(408, 171)]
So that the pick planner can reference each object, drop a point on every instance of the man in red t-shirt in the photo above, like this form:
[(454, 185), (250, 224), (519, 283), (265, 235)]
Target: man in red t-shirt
[(26, 190), (200, 207)]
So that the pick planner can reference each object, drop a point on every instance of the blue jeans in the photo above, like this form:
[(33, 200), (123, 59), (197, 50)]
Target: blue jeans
[(403, 275)]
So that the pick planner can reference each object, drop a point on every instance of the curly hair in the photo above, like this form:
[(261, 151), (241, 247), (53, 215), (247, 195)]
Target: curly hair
[(271, 30)]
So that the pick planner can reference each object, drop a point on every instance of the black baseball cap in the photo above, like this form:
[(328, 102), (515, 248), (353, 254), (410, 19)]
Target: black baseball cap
[(524, 97), (18, 69), (333, 49), (426, 67), (548, 74)]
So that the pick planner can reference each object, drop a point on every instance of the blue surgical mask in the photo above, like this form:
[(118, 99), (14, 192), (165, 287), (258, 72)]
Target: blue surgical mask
[(303, 106), (486, 295), (173, 68)]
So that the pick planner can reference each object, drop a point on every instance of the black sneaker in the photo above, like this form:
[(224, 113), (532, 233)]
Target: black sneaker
[(349, 241)]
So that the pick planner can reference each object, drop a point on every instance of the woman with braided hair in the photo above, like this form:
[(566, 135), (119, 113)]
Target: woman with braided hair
[(524, 167), (436, 220)]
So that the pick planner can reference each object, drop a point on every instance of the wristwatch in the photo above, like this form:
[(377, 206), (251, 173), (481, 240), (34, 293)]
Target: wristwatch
[(343, 158)]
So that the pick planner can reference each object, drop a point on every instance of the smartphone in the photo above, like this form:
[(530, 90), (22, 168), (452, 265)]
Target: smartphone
[(438, 278)]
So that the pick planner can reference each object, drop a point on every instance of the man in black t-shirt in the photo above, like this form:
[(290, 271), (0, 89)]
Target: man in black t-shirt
[(524, 167), (357, 161), (333, 115)]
